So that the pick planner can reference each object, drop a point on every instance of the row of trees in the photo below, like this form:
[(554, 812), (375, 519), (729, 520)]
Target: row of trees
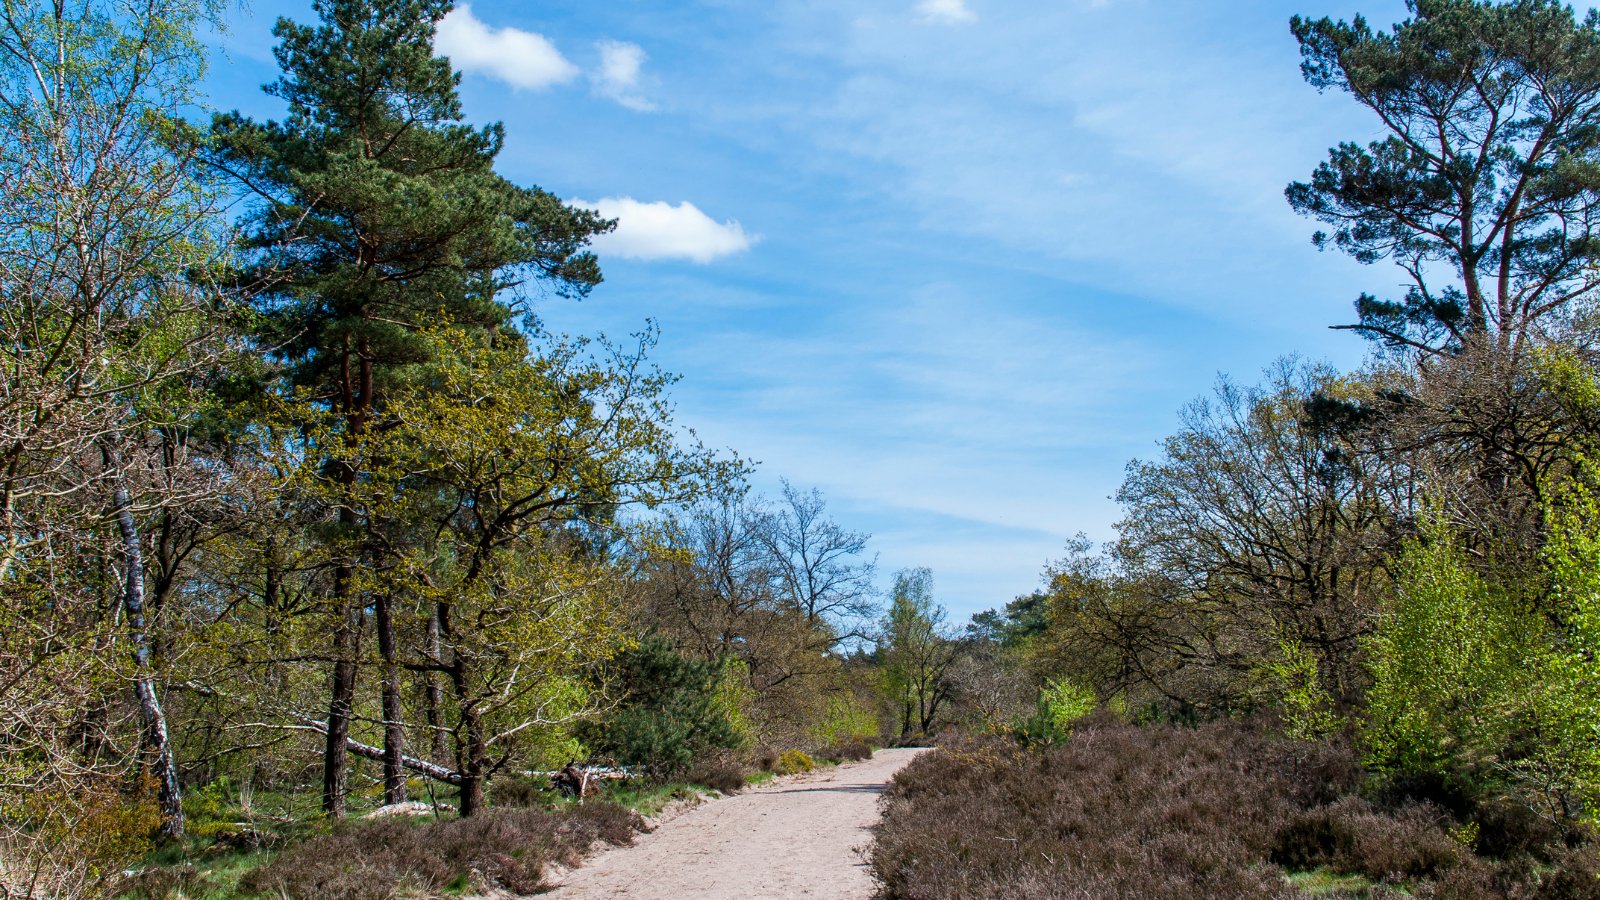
[(1408, 550)]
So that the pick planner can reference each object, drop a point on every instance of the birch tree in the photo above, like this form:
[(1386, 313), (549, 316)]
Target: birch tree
[(105, 325)]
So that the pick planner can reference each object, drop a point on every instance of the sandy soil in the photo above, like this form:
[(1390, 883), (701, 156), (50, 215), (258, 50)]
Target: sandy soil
[(796, 837)]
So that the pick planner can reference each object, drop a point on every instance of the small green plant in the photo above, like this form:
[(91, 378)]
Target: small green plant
[(1308, 710), (793, 762), (1465, 835), (1061, 703)]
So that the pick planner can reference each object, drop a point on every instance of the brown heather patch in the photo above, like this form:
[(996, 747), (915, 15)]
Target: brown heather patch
[(1219, 812), (505, 849)]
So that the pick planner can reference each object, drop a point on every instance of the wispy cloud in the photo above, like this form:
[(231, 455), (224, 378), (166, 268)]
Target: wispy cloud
[(520, 58), (948, 12), (660, 230), (942, 419), (1058, 134), (618, 75)]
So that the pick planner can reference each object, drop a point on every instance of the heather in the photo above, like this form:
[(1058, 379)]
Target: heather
[(1223, 810)]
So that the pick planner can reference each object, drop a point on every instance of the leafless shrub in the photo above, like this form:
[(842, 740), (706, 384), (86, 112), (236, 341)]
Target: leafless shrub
[(722, 776)]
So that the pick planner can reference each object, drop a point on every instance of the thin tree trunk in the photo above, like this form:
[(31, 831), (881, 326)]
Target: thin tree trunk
[(356, 399), (394, 735), (157, 739), (434, 695), (342, 693)]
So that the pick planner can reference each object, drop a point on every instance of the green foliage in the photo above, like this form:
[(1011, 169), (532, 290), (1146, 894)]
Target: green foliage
[(732, 698), (1453, 663), (1568, 702), (793, 762), (667, 713), (1308, 710), (378, 207), (846, 719), (1472, 682), (1062, 702), (1486, 176), (1019, 623), (917, 655)]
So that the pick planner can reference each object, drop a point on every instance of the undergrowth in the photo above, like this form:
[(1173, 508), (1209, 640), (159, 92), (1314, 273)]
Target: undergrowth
[(1221, 811), (503, 849), (239, 849)]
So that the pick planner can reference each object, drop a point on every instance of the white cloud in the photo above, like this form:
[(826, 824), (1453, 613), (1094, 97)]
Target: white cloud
[(618, 75), (661, 230), (949, 12), (519, 58)]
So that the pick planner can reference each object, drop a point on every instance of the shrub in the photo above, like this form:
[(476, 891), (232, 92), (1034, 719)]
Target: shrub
[(73, 840), (1352, 835), (847, 720), (1481, 686), (1061, 704), (1308, 709), (719, 776), (854, 751), (1114, 812), (523, 792), (502, 849), (1508, 830), (671, 709), (791, 762)]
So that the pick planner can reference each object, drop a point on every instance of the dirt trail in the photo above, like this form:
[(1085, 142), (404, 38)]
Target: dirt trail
[(796, 837)]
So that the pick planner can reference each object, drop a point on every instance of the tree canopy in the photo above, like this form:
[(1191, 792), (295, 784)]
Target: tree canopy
[(1486, 189)]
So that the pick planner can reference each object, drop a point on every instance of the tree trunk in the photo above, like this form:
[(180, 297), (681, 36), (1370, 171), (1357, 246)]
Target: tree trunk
[(434, 695), (356, 400), (472, 750), (394, 735), (342, 693), (153, 720), (472, 801)]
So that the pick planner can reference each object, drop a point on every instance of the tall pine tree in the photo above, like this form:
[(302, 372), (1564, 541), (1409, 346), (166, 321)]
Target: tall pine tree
[(378, 211)]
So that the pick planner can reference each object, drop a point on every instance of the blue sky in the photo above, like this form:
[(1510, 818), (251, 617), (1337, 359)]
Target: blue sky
[(953, 262)]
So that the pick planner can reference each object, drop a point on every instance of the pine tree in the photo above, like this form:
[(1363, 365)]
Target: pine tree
[(378, 211), (1485, 188)]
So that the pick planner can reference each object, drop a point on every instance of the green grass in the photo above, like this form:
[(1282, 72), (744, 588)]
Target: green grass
[(1324, 882), (646, 798), (204, 876)]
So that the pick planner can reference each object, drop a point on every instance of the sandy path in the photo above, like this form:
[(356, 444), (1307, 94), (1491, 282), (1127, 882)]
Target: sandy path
[(796, 837)]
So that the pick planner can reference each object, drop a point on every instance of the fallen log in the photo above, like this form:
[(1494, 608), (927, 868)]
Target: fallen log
[(367, 751), (582, 781)]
